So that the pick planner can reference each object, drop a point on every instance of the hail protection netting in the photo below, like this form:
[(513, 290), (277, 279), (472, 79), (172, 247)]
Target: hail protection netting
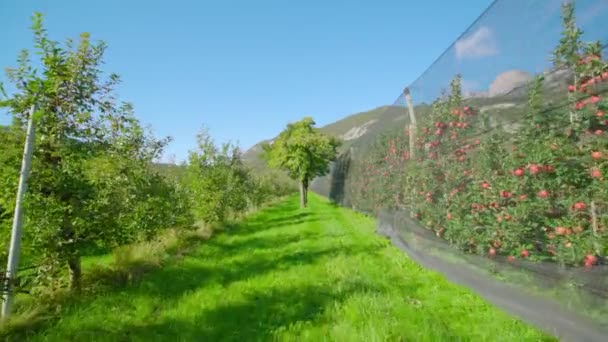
[(502, 183)]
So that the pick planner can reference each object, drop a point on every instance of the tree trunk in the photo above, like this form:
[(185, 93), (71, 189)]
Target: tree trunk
[(75, 272), (305, 193), (302, 194), (73, 256)]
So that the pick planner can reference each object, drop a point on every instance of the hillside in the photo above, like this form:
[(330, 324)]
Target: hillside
[(350, 130)]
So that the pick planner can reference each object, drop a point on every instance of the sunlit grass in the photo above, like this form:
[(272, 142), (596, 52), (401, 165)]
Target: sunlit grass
[(288, 274)]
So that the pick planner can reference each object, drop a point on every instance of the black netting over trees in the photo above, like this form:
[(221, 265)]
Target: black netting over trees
[(502, 183)]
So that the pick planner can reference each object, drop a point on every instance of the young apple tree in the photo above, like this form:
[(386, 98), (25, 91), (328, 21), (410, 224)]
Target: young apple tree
[(91, 183)]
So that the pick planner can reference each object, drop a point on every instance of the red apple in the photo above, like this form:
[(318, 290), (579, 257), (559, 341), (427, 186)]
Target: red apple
[(596, 155), (518, 172), (534, 169), (590, 260), (579, 206), (505, 194), (525, 253)]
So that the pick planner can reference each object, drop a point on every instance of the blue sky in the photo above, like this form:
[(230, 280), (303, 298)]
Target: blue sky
[(246, 68), (512, 35)]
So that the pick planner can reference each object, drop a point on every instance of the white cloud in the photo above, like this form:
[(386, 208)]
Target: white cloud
[(478, 44)]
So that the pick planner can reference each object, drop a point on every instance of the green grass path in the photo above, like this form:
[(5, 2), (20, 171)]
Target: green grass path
[(319, 274)]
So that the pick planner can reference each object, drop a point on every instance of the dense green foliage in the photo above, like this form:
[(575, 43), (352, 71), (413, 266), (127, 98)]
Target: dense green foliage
[(291, 275), (538, 193), (91, 185), (221, 186), (219, 181), (94, 183), (303, 152)]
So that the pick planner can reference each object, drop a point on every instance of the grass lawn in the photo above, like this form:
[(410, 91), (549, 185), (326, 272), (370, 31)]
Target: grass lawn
[(287, 274)]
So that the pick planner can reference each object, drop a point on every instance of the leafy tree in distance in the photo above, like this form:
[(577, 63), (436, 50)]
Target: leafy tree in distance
[(218, 182), (91, 184), (303, 152)]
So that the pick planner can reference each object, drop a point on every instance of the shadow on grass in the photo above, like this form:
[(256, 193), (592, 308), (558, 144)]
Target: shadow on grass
[(259, 317), (260, 243), (177, 279), (295, 219), (252, 319), (286, 208), (267, 227), (264, 222)]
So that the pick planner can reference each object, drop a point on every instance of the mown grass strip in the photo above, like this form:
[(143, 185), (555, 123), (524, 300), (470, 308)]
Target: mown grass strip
[(316, 274)]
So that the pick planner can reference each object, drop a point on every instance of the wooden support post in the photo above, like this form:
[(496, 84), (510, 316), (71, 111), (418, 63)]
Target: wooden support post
[(412, 125), (412, 133)]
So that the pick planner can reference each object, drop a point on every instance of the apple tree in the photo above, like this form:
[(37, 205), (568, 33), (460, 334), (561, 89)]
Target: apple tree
[(219, 183), (91, 182), (303, 152)]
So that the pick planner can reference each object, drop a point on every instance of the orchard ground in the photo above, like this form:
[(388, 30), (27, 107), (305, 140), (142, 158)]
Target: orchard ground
[(286, 273)]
